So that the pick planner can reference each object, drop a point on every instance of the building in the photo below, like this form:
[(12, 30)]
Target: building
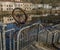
[(6, 6), (25, 6), (8, 19), (9, 6), (9, 0), (17, 0), (46, 6)]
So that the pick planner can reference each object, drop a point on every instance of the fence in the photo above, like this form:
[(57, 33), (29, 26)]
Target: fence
[(11, 40), (49, 36)]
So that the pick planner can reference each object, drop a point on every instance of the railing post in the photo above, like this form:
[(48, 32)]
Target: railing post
[(0, 41), (20, 33), (3, 35), (37, 33), (10, 41), (10, 37)]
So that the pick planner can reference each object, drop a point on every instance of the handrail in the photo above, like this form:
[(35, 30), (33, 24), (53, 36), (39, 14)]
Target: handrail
[(4, 38), (49, 34), (22, 30)]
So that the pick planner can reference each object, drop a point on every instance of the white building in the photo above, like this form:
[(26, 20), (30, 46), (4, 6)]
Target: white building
[(9, 6), (6, 6), (17, 0), (8, 19), (28, 6), (38, 5), (25, 6), (46, 6), (57, 8)]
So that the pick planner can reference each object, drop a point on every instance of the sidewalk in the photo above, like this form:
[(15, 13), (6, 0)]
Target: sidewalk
[(41, 46)]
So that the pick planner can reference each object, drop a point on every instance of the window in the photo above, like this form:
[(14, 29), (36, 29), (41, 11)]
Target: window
[(0, 5), (7, 9), (10, 5), (10, 19), (1, 9), (10, 16)]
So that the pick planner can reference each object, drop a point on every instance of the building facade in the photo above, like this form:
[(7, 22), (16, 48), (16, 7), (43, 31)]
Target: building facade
[(25, 6), (6, 6), (8, 19), (9, 6)]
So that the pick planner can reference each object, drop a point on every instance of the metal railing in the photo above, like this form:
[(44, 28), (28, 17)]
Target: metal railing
[(46, 36), (31, 34), (11, 40), (3, 38)]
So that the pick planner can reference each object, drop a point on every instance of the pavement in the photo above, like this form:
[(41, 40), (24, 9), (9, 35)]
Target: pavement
[(44, 47)]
